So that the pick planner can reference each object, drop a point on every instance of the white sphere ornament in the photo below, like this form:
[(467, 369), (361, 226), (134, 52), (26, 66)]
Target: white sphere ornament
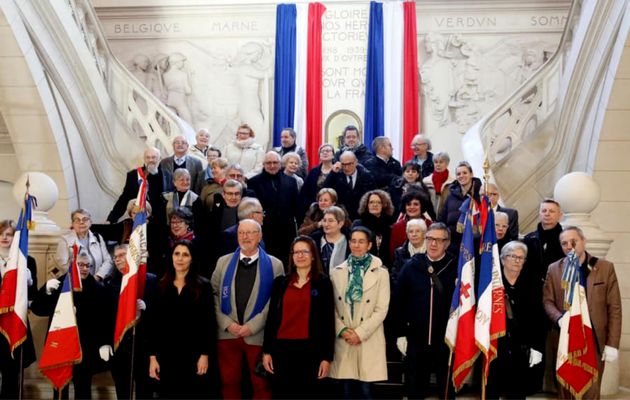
[(42, 187), (577, 192)]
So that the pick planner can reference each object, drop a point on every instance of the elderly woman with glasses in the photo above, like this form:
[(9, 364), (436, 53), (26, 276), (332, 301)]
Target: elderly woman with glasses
[(361, 294), (300, 329), (101, 264), (521, 347), (245, 151)]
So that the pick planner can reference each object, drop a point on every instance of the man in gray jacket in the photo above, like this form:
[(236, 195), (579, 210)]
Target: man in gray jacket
[(242, 284)]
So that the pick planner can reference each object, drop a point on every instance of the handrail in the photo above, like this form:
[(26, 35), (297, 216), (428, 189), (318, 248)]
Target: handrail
[(143, 114)]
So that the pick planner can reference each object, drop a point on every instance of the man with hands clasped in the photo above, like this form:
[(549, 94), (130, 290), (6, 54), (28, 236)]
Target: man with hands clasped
[(242, 283), (602, 296)]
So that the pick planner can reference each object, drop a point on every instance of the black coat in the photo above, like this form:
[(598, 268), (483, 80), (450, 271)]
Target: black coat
[(449, 213), (401, 256), (321, 325), (427, 166), (383, 171), (361, 152), (130, 191), (310, 188), (347, 196), (382, 227), (512, 214), (91, 315), (278, 195), (421, 305)]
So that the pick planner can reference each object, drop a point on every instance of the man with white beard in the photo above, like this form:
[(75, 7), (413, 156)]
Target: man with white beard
[(155, 178)]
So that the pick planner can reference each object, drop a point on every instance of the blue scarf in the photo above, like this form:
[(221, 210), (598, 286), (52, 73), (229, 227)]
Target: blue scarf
[(265, 271)]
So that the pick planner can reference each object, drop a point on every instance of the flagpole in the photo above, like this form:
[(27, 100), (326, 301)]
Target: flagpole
[(486, 174), (133, 354), (21, 376), (448, 374)]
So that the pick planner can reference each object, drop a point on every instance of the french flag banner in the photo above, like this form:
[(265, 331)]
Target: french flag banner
[(460, 329), (490, 316), (298, 75), (576, 364), (134, 275), (62, 349), (14, 287), (391, 88)]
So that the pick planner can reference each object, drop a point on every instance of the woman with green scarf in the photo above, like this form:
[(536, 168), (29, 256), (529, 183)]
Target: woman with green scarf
[(361, 290)]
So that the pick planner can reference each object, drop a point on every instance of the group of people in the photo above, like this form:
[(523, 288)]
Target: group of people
[(272, 280)]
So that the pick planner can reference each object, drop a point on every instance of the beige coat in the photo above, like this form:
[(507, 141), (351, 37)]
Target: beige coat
[(365, 362)]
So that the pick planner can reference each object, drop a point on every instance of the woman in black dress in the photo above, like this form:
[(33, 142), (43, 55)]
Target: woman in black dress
[(183, 328)]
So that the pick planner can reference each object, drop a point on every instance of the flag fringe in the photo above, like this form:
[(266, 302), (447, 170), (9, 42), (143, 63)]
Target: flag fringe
[(575, 393), (466, 365), (16, 345), (124, 332)]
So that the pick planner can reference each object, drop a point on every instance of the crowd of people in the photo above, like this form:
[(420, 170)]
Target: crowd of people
[(270, 279)]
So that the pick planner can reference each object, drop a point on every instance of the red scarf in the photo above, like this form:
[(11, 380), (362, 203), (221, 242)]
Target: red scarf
[(438, 180)]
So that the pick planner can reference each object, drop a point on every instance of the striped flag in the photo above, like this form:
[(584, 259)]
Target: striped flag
[(62, 349), (576, 365), (76, 283), (134, 275), (460, 329), (14, 287), (490, 316), (298, 75), (391, 93)]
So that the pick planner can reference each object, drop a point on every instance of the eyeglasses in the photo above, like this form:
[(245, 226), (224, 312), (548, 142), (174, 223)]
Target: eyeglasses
[(491, 194), (247, 233), (374, 202), (235, 176), (232, 194), (518, 259), (84, 265), (271, 162), (301, 252), (432, 239), (81, 220), (177, 221), (347, 164)]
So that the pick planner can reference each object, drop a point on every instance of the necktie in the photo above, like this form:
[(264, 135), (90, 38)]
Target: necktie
[(350, 182), (246, 260)]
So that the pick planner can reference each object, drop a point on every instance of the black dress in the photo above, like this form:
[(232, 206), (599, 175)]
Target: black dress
[(523, 332), (182, 327)]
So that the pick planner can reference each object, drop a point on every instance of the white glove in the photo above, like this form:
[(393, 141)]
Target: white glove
[(401, 343), (140, 306), (535, 357), (52, 284), (610, 354), (105, 352), (29, 277)]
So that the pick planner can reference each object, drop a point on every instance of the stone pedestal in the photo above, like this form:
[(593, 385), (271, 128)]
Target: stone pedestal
[(579, 195)]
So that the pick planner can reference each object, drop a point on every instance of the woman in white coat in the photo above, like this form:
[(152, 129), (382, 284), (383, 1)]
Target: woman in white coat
[(361, 290), (244, 151), (101, 264)]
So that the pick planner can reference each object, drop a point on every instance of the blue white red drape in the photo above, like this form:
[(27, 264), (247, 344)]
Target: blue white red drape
[(298, 75), (62, 349), (460, 329), (490, 316), (134, 274), (14, 286), (391, 92)]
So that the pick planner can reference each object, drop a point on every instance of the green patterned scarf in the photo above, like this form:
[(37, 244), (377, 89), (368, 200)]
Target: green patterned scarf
[(356, 269)]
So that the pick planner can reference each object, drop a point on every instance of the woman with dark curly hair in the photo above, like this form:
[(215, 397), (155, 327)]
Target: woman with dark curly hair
[(300, 330), (411, 179), (376, 210), (183, 326)]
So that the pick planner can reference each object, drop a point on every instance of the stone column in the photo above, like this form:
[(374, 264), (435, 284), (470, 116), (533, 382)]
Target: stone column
[(579, 195)]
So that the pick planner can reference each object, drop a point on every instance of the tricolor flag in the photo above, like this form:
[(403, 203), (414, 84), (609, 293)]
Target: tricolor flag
[(298, 75), (391, 88), (134, 275), (62, 349), (14, 287), (490, 316), (576, 365), (460, 329)]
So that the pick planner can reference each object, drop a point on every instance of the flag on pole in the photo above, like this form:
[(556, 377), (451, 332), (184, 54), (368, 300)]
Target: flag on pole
[(62, 349), (576, 365), (391, 89), (14, 287), (460, 329), (76, 283), (134, 274), (298, 75), (490, 316)]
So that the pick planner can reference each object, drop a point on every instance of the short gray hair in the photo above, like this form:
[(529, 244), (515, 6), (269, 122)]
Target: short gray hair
[(501, 214), (442, 155), (286, 156), (247, 207), (179, 172), (511, 246), (80, 211), (417, 223)]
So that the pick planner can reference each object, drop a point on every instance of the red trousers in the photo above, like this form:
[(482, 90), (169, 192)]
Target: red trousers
[(231, 353)]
